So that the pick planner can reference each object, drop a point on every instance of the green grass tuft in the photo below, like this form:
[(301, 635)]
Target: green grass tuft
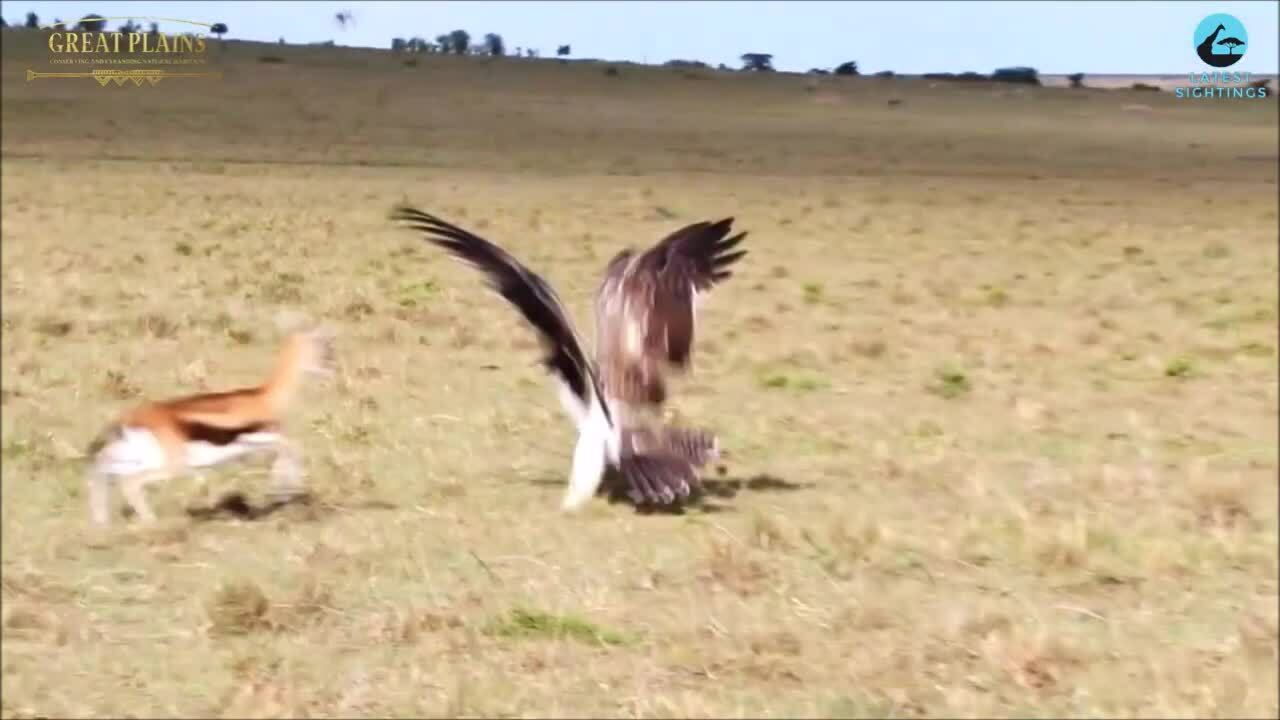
[(950, 383), (524, 623)]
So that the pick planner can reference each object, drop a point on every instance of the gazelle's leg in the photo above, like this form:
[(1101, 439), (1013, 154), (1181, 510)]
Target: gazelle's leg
[(286, 472), (202, 487), (99, 491), (134, 489)]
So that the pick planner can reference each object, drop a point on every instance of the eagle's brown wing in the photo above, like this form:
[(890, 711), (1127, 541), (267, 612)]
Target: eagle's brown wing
[(645, 309)]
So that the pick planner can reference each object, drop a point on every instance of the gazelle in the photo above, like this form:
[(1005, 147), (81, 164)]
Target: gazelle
[(156, 441)]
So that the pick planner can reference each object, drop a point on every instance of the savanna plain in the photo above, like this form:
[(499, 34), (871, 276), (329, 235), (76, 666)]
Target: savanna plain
[(997, 383)]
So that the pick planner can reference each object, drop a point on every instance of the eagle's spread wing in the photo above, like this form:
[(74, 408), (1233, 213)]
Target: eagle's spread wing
[(527, 292), (645, 307)]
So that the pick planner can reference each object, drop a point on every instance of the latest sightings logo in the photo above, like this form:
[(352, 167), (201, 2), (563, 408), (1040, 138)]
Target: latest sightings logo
[(1220, 40)]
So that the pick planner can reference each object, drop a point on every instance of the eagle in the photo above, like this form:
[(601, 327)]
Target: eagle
[(645, 321)]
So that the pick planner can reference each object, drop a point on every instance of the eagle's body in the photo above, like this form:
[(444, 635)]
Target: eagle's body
[(644, 322)]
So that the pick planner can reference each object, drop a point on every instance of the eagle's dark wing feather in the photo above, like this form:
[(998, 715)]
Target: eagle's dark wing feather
[(524, 289), (692, 259), (660, 463), (657, 479), (645, 307), (698, 447)]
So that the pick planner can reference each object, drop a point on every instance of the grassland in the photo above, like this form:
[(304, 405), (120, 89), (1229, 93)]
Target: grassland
[(999, 381)]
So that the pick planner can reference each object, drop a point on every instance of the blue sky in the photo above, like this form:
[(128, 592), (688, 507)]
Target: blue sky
[(909, 37)]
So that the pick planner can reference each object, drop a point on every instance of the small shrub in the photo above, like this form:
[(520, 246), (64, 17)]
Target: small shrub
[(950, 383), (997, 297), (1217, 251), (1180, 367), (238, 608)]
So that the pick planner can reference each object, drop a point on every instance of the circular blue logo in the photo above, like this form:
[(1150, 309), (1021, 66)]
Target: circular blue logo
[(1220, 40)]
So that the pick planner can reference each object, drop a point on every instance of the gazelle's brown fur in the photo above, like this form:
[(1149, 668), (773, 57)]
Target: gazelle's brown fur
[(158, 440)]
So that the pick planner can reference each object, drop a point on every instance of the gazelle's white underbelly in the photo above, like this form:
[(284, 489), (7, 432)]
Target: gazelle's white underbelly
[(137, 450)]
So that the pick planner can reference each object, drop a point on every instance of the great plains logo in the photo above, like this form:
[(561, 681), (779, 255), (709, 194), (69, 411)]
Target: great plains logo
[(1220, 40), (129, 54)]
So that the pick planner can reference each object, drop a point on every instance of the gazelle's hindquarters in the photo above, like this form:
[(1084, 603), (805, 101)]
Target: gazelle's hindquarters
[(126, 456), (133, 459)]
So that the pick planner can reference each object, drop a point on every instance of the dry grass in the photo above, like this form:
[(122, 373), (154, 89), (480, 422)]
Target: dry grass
[(999, 381)]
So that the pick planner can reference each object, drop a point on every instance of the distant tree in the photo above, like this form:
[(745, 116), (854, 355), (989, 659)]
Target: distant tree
[(219, 29), (531, 52), (519, 51), (563, 50), (128, 27), (33, 21), (1231, 43), (1019, 75), (848, 68), (757, 62), (3, 23), (92, 22), (445, 42), (493, 44), (154, 31), (398, 45), (1076, 80), (459, 41)]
